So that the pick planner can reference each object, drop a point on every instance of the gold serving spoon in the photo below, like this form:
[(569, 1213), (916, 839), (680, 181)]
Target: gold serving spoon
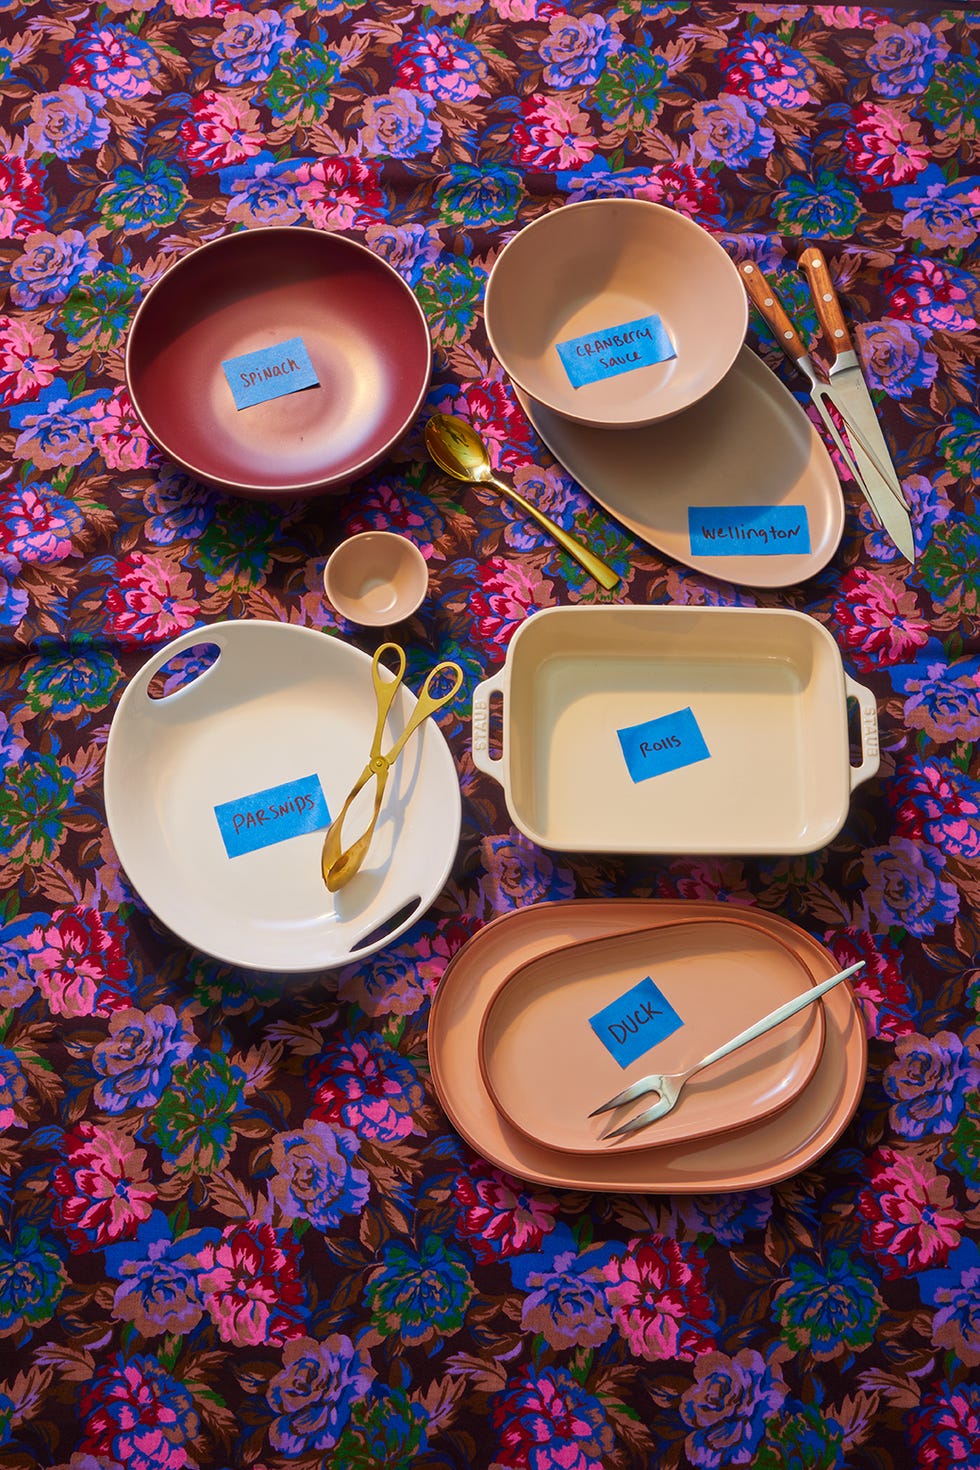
[(338, 866), (458, 449)]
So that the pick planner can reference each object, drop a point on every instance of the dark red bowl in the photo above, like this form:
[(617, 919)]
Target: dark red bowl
[(366, 334)]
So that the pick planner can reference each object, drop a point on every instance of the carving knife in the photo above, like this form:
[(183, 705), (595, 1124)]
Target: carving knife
[(851, 397), (890, 512)]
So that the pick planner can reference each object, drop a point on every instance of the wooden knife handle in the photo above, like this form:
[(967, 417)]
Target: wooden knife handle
[(770, 308), (815, 268)]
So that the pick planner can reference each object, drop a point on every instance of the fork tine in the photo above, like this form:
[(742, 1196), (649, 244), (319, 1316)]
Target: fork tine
[(628, 1094), (649, 1115)]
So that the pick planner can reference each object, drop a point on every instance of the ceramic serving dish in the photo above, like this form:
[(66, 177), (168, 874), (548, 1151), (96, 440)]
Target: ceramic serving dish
[(593, 274), (363, 329), (675, 730), (577, 1025), (376, 578), (218, 795), (748, 1157), (745, 448)]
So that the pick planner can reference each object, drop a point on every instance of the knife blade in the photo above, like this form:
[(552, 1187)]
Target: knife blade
[(889, 511), (852, 398)]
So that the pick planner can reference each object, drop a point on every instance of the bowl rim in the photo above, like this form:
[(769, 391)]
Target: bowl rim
[(686, 222), (246, 488)]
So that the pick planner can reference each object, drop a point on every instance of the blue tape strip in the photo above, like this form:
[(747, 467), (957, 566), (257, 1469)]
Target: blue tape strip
[(615, 350), (270, 816), (635, 1022), (748, 530), (271, 372), (664, 744)]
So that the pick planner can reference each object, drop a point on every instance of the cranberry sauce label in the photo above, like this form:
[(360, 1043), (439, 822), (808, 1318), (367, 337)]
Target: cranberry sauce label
[(615, 350)]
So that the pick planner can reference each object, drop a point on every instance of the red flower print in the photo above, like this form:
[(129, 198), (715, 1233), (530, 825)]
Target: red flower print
[(22, 202), (883, 147), (879, 988), (878, 619), (103, 1188), (340, 193), (659, 1299), (910, 1222), (682, 187), (27, 361), (79, 963), (502, 600), (500, 1216), (221, 131), (149, 602), (251, 1285)]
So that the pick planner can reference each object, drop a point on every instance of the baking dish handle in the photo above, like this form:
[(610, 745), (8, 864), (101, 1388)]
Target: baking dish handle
[(480, 739), (868, 706)]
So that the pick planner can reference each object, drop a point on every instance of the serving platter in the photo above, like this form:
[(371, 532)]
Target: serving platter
[(576, 1025), (745, 446), (674, 730), (211, 799), (757, 1154)]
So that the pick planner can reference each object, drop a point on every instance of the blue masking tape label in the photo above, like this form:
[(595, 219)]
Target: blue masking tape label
[(635, 1022), (662, 745), (271, 372), (615, 350), (748, 530), (272, 815)]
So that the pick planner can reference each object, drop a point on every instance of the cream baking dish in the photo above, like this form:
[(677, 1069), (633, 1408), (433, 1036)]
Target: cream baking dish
[(754, 699)]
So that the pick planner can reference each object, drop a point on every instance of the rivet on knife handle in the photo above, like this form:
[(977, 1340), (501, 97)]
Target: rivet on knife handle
[(814, 267), (767, 302)]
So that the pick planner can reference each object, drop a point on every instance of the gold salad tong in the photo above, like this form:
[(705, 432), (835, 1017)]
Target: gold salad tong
[(338, 865)]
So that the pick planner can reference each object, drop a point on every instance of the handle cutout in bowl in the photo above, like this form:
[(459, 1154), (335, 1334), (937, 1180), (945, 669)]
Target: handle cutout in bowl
[(387, 926), (183, 670)]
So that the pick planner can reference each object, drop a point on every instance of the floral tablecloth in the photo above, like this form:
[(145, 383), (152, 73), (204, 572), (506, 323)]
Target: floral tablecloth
[(236, 1227)]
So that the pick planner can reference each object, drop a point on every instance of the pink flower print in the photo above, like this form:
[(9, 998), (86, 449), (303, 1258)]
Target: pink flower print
[(340, 193), (367, 1087), (554, 134), (79, 963), (884, 147), (149, 601), (22, 203), (119, 436), (910, 1223), (504, 595), (222, 130), (658, 1297), (682, 187), (878, 619), (933, 294), (251, 1285), (37, 524), (112, 61), (103, 1188), (767, 69), (27, 361), (499, 1216)]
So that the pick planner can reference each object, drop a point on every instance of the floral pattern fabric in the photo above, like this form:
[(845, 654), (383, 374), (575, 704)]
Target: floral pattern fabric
[(235, 1227)]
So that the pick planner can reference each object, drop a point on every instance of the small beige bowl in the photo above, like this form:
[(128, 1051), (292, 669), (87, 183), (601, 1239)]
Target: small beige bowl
[(376, 578), (594, 266)]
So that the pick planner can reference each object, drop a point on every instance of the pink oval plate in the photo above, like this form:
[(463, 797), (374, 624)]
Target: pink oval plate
[(552, 1035), (744, 1158)]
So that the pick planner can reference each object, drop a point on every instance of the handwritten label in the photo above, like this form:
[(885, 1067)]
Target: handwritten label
[(271, 372), (662, 745), (270, 816), (615, 350), (635, 1022), (748, 530)]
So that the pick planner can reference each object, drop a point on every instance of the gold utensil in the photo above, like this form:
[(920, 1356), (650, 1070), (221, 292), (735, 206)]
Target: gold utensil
[(339, 866), (458, 449)]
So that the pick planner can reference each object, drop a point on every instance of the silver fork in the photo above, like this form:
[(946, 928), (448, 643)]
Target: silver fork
[(669, 1085)]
